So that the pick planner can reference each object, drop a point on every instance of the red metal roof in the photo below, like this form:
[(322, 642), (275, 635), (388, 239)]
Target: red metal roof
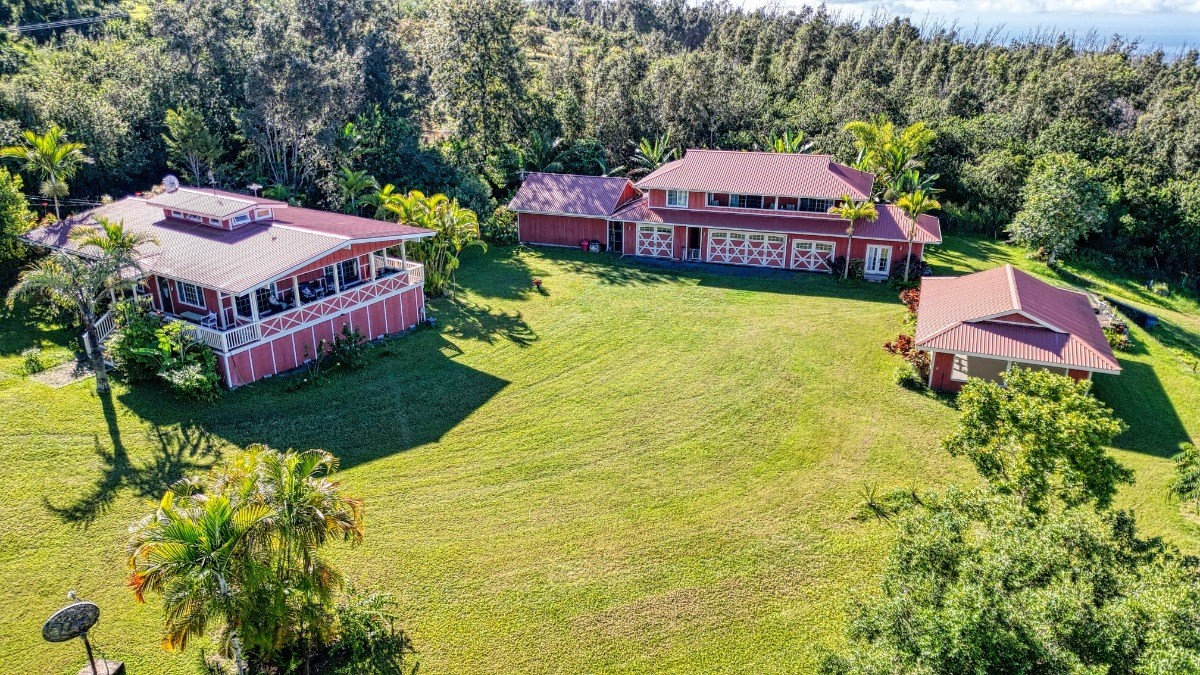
[(213, 203), (237, 260), (760, 173), (892, 224), (972, 314), (569, 194)]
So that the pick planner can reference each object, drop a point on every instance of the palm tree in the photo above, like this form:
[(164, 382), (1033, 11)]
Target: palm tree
[(650, 155), (194, 553), (111, 238), (884, 151), (456, 229), (789, 142), (853, 212), (911, 180), (382, 199), (870, 136), (79, 283), (542, 153), (915, 204), (51, 158), (355, 187)]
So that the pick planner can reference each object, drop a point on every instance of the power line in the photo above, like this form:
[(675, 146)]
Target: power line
[(66, 23)]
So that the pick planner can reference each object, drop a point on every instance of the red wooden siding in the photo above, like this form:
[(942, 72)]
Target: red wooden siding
[(537, 228), (943, 364)]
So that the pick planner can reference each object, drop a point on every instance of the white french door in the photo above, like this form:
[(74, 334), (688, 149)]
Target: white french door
[(879, 260)]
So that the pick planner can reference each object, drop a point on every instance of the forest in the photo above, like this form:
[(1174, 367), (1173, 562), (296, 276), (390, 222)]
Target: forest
[(316, 101)]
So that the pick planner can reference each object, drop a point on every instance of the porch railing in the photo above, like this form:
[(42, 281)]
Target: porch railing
[(105, 326), (226, 340), (415, 271)]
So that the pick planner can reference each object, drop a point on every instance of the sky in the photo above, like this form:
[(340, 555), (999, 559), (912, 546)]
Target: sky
[(1171, 24)]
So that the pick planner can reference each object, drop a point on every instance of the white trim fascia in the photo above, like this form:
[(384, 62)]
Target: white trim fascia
[(1019, 361)]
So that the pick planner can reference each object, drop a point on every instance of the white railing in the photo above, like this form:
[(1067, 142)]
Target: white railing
[(416, 273), (105, 326), (223, 341)]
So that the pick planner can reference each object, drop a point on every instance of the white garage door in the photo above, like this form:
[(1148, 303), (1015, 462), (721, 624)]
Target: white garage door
[(747, 248), (812, 256), (654, 240)]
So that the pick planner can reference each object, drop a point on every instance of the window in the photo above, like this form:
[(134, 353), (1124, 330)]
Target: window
[(823, 247), (757, 237), (664, 230), (959, 372), (190, 294), (242, 305), (774, 238), (177, 214), (262, 297), (677, 199), (879, 259), (348, 271), (192, 216), (746, 201), (737, 236), (646, 228), (241, 219), (815, 205)]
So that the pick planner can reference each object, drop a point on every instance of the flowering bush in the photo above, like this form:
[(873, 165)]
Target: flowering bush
[(911, 297), (905, 346)]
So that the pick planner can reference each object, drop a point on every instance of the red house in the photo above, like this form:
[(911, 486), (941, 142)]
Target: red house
[(259, 281), (982, 324), (740, 208)]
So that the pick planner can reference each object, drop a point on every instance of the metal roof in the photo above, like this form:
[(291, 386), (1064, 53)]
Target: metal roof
[(974, 314), (760, 173), (233, 261), (570, 194), (212, 203), (892, 224)]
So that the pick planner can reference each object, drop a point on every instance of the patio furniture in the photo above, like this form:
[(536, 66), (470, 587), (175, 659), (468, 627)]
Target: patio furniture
[(194, 317), (209, 321)]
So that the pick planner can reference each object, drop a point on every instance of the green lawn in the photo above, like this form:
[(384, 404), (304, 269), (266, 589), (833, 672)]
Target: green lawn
[(635, 470)]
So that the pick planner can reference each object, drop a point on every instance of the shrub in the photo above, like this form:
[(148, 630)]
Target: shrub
[(134, 344), (906, 375), (1118, 337), (350, 348), (197, 380), (500, 228), (32, 360), (368, 638), (1160, 288), (905, 346), (911, 297), (857, 268)]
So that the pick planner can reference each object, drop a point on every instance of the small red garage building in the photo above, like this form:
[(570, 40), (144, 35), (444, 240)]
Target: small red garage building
[(258, 280), (740, 208), (982, 324)]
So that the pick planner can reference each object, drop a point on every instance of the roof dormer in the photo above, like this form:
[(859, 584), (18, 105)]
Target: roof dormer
[(214, 208)]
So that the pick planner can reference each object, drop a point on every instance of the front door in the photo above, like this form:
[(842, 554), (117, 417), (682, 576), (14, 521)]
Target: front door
[(693, 244), (616, 237), (879, 261), (164, 294)]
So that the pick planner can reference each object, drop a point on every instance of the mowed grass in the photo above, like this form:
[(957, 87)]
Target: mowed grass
[(635, 470)]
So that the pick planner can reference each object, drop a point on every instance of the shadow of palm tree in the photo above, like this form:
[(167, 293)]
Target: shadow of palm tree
[(176, 454), (468, 320)]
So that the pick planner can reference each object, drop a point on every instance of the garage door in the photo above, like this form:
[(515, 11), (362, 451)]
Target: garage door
[(812, 256), (747, 248), (653, 240)]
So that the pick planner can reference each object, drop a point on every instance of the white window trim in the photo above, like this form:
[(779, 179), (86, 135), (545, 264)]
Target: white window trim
[(686, 199), (241, 219), (180, 285)]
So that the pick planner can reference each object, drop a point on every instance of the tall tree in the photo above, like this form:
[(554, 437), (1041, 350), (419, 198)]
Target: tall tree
[(356, 188), (853, 212), (478, 70), (1039, 435), (191, 147), (651, 154), (455, 227), (915, 204), (51, 158), (1062, 202)]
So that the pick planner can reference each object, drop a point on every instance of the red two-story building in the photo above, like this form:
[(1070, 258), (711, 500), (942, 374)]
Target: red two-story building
[(259, 281), (740, 208)]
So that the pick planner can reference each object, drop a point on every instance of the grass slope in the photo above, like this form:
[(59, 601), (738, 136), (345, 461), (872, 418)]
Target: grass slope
[(637, 470)]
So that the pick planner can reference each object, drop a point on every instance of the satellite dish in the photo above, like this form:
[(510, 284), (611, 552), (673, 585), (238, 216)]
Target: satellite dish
[(71, 622), (170, 183)]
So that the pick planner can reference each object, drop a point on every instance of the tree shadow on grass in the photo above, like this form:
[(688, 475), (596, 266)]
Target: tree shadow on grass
[(21, 328), (177, 453), (505, 275), (1137, 397), (464, 319), (411, 392)]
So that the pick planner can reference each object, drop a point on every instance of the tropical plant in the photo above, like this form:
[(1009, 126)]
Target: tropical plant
[(1185, 485), (853, 212), (886, 152), (242, 546), (191, 147), (649, 154), (51, 158), (111, 238), (789, 141), (914, 205), (543, 153), (1039, 435), (356, 188), (197, 552), (383, 200), (82, 284), (455, 228)]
